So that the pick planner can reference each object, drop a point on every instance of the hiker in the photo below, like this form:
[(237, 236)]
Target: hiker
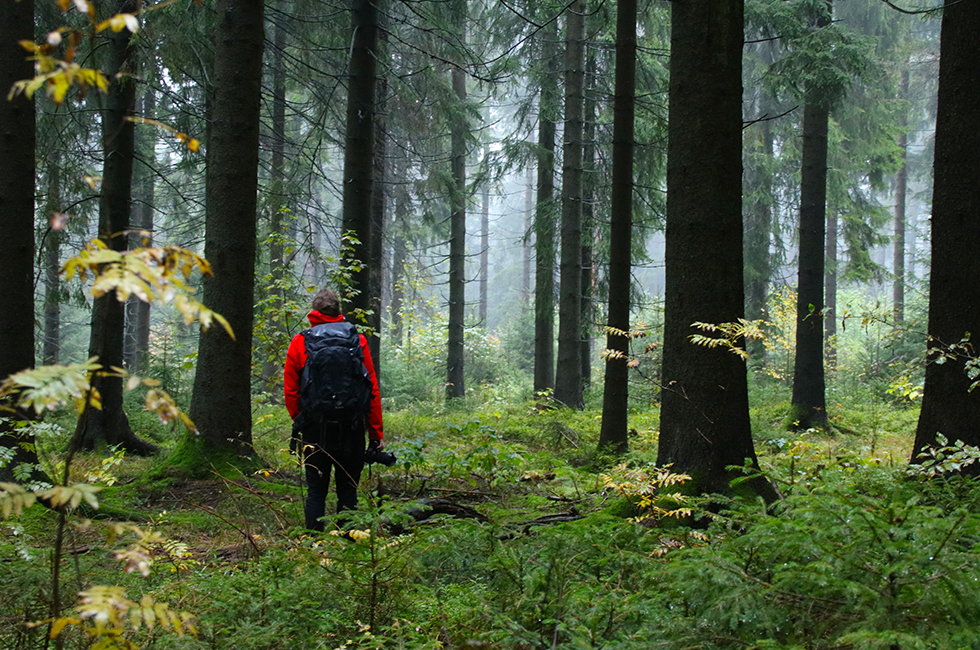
[(332, 395)]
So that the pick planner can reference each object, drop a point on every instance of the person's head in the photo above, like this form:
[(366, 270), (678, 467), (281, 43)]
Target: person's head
[(326, 302)]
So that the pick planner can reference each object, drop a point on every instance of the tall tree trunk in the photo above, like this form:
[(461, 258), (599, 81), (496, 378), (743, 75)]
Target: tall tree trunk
[(901, 192), (378, 203), (588, 223), (52, 264), (809, 406), (221, 404), (17, 205), (455, 386), (137, 344), (758, 230), (615, 389), (359, 154), (484, 254), (109, 424), (399, 253), (276, 337), (526, 241), (568, 378), (544, 221), (830, 291), (704, 423), (949, 406)]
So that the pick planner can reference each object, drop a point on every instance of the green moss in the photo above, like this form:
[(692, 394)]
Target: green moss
[(194, 458)]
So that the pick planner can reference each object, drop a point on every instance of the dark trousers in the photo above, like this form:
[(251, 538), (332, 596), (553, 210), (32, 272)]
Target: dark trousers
[(339, 448)]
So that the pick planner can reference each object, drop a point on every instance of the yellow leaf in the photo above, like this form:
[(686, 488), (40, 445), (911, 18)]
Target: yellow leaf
[(149, 616), (60, 88), (60, 623)]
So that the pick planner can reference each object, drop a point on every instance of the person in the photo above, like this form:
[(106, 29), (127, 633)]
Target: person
[(333, 440)]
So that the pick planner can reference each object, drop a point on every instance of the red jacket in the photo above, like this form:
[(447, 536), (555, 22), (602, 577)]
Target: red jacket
[(296, 359)]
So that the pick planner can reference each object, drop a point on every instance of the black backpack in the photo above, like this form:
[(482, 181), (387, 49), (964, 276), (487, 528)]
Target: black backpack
[(334, 383)]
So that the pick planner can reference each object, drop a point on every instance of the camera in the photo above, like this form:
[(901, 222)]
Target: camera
[(375, 455)]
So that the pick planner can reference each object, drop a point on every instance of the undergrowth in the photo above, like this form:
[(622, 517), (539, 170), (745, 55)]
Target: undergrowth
[(500, 526)]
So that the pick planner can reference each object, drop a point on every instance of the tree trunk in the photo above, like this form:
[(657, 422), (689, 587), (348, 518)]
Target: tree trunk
[(615, 389), (544, 222), (359, 156), (17, 203), (528, 226), (568, 378), (758, 230), (809, 407), (949, 407), (484, 254), (378, 203), (399, 246), (109, 424), (455, 386), (137, 343), (52, 264), (221, 404), (830, 289), (901, 192), (588, 224), (704, 422), (273, 349)]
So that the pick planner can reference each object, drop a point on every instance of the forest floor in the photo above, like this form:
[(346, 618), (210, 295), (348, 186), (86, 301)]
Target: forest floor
[(485, 492)]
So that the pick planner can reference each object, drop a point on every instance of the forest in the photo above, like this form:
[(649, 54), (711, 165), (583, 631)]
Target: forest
[(668, 304)]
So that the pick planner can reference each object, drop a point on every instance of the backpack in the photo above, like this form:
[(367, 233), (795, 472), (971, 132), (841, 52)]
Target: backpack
[(334, 383)]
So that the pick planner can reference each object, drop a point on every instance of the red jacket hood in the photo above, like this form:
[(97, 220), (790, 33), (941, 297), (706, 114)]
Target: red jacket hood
[(317, 318)]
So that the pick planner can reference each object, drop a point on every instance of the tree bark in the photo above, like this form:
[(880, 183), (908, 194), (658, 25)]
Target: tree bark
[(455, 386), (544, 221), (276, 337), (484, 254), (949, 407), (615, 389), (52, 265), (528, 228), (830, 290), (588, 223), (109, 424), (758, 231), (221, 403), (901, 192), (137, 343), (378, 224), (704, 425), (17, 146), (809, 406), (568, 378), (359, 155)]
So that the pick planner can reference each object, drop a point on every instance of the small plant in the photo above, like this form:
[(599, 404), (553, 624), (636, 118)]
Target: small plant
[(943, 459)]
